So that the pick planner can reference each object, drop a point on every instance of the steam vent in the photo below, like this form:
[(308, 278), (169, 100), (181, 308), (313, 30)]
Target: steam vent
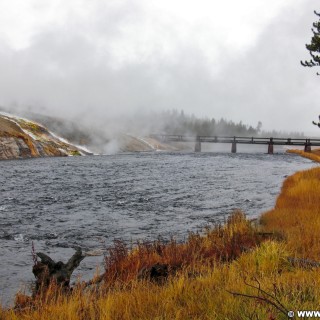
[(22, 138)]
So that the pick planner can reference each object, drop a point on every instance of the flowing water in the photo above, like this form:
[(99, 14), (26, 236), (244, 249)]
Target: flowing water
[(62, 203)]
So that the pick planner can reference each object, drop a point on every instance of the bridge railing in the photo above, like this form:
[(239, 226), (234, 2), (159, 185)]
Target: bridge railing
[(236, 139)]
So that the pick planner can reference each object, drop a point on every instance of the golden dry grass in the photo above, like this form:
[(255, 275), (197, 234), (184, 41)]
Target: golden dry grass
[(207, 296), (313, 155), (297, 214)]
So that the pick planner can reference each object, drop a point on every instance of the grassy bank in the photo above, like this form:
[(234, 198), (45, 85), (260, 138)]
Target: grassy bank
[(313, 155), (236, 271)]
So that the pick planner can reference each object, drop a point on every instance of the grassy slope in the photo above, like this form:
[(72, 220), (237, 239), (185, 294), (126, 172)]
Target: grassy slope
[(297, 217), (227, 259)]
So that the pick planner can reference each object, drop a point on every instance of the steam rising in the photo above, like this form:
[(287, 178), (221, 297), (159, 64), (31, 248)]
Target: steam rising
[(109, 66)]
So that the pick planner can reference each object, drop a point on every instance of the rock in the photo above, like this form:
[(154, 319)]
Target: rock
[(94, 253), (12, 148), (157, 273)]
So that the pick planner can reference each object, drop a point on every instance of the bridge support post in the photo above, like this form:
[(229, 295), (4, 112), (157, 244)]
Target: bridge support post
[(197, 147), (307, 146), (234, 147), (270, 146)]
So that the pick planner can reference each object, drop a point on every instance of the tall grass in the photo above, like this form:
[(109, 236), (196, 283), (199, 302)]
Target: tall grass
[(297, 214), (206, 296), (313, 155), (222, 244)]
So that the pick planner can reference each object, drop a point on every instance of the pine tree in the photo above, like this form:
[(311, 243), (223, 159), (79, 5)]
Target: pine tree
[(314, 46)]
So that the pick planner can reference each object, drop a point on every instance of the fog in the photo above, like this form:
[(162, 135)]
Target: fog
[(108, 64)]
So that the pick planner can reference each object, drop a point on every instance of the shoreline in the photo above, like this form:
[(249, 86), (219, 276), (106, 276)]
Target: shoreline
[(263, 260), (313, 155)]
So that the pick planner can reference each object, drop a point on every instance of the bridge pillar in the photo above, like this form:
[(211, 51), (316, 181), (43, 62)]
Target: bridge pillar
[(234, 147), (307, 146), (270, 146), (197, 147)]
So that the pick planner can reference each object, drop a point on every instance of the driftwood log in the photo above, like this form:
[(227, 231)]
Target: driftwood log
[(303, 263), (47, 270)]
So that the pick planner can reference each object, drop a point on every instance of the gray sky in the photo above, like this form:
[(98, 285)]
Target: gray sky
[(234, 59)]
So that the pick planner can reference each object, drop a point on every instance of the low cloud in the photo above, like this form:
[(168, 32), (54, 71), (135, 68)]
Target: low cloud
[(95, 74)]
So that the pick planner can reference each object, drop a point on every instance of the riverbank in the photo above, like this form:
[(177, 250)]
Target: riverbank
[(237, 270), (313, 155)]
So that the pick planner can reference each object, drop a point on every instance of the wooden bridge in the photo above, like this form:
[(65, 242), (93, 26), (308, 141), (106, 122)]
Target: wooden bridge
[(270, 142)]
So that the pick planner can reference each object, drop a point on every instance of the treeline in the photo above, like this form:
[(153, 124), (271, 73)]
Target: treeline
[(177, 122)]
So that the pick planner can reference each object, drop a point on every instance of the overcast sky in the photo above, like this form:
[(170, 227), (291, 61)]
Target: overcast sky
[(234, 59)]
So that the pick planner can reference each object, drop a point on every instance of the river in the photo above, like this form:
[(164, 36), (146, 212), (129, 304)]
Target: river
[(61, 203)]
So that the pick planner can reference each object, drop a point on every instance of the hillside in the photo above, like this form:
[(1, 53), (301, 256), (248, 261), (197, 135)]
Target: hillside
[(22, 138), (25, 138), (109, 138)]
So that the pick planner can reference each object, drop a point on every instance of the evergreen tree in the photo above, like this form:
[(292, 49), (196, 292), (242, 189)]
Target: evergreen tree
[(314, 46)]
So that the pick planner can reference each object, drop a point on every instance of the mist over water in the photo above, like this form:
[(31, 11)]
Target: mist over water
[(61, 203)]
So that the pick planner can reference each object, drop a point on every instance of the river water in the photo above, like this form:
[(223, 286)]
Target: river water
[(61, 203)]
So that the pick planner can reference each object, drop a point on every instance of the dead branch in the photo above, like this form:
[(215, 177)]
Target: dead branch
[(263, 296), (303, 263)]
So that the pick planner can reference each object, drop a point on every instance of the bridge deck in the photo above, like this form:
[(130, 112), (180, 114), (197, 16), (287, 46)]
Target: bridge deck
[(241, 140)]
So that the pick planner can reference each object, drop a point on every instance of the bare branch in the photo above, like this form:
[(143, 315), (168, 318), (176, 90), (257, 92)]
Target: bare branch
[(263, 299), (265, 293)]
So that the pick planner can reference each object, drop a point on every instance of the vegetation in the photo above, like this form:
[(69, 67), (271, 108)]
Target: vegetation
[(314, 155), (179, 123), (241, 270), (298, 223), (174, 122), (32, 126), (75, 153), (314, 46)]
